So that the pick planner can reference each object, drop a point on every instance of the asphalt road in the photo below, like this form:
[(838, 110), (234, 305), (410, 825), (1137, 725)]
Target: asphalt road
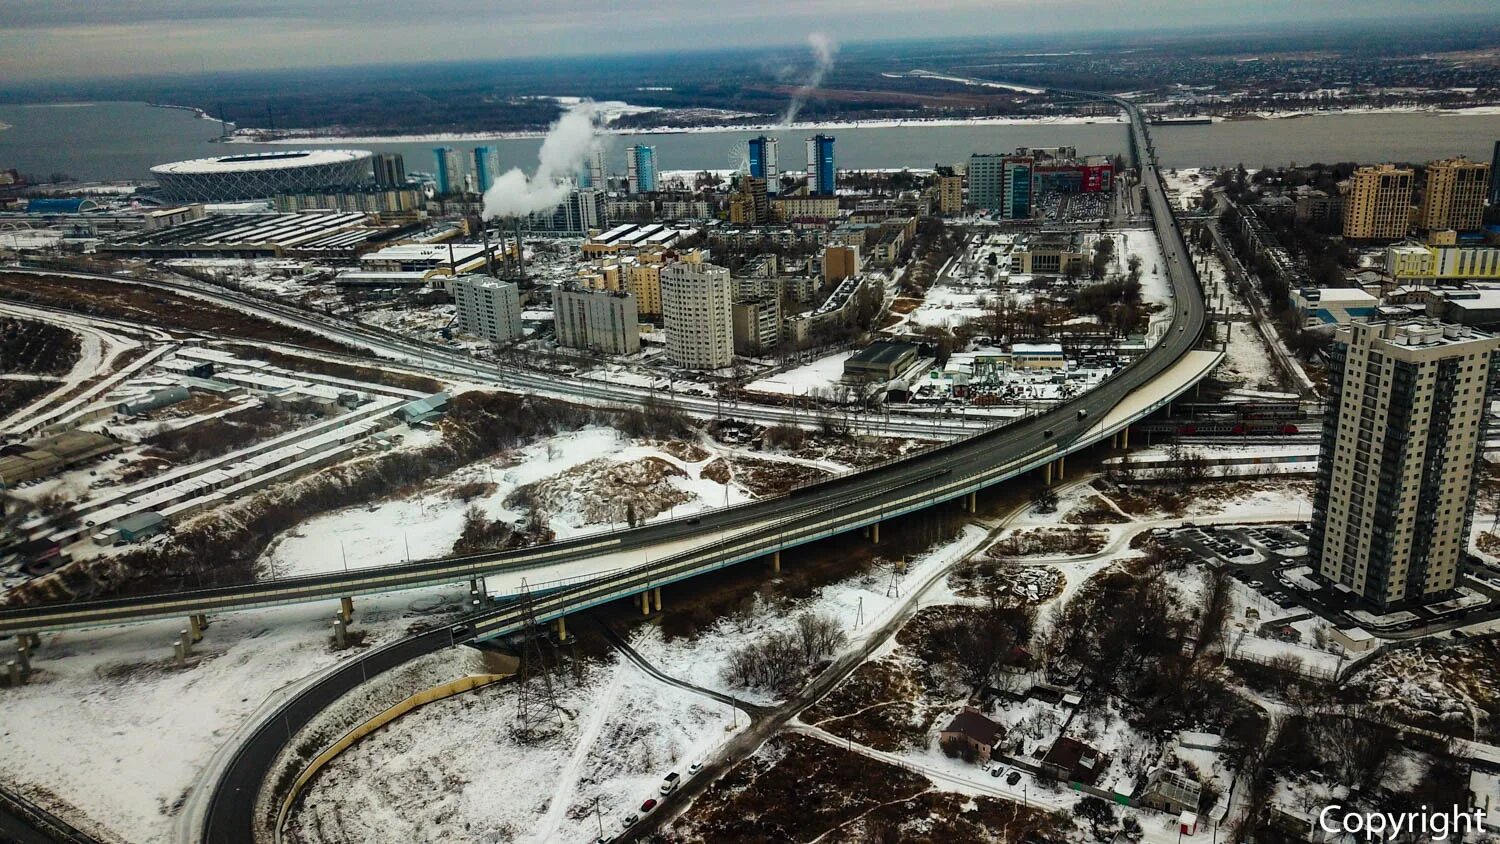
[(231, 811)]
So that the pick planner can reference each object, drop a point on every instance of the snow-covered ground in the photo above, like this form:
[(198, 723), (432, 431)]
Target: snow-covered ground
[(860, 604), (1247, 359), (819, 379), (455, 769), (427, 524), (1156, 286), (152, 727), (1185, 185)]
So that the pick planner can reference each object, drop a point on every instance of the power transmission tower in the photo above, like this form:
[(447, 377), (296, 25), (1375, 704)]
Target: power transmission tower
[(536, 694), (898, 569)]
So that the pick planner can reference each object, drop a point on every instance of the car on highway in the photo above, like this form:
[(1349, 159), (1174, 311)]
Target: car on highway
[(670, 783)]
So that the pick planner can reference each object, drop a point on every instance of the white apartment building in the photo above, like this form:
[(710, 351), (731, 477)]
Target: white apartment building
[(698, 314), (1396, 469), (488, 308), (604, 321)]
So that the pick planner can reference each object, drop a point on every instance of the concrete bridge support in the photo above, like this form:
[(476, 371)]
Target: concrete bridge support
[(644, 599), (194, 629), (13, 673), (23, 657), (479, 595), (1062, 465), (974, 502), (775, 562), (1047, 474), (875, 533), (562, 628), (656, 596), (346, 610), (340, 631)]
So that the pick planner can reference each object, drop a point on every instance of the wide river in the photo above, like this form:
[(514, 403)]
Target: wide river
[(103, 141)]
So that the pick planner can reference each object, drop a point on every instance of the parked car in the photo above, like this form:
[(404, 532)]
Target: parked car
[(628, 821), (997, 772), (671, 782), (1015, 777), (694, 768), (647, 806)]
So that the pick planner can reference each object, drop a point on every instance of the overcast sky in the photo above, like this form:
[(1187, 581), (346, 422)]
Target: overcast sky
[(92, 38)]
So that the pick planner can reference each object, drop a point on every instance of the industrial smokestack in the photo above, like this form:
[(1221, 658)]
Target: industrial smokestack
[(520, 253), (489, 257)]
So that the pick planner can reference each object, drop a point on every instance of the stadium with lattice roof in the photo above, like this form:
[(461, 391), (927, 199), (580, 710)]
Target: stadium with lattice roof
[(260, 175)]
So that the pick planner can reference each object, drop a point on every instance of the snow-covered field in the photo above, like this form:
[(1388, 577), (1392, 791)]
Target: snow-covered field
[(456, 770), (428, 523), (859, 604), (110, 726), (456, 766), (1156, 287), (819, 379), (1248, 359)]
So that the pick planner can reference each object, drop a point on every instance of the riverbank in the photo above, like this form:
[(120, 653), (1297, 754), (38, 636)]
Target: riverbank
[(294, 136), (1289, 114), (303, 136)]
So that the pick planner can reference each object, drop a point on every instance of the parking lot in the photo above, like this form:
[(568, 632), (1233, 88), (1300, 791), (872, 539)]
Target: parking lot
[(1272, 561)]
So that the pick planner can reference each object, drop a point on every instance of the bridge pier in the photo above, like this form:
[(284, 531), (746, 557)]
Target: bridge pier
[(24, 658), (346, 609), (875, 533), (479, 595), (194, 629), (656, 596), (340, 631), (1047, 473), (974, 502), (182, 647), (1062, 463), (13, 673), (645, 602), (1125, 438), (776, 562), (562, 628)]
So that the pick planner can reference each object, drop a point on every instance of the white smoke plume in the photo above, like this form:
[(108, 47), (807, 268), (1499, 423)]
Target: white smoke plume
[(567, 144), (823, 50)]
